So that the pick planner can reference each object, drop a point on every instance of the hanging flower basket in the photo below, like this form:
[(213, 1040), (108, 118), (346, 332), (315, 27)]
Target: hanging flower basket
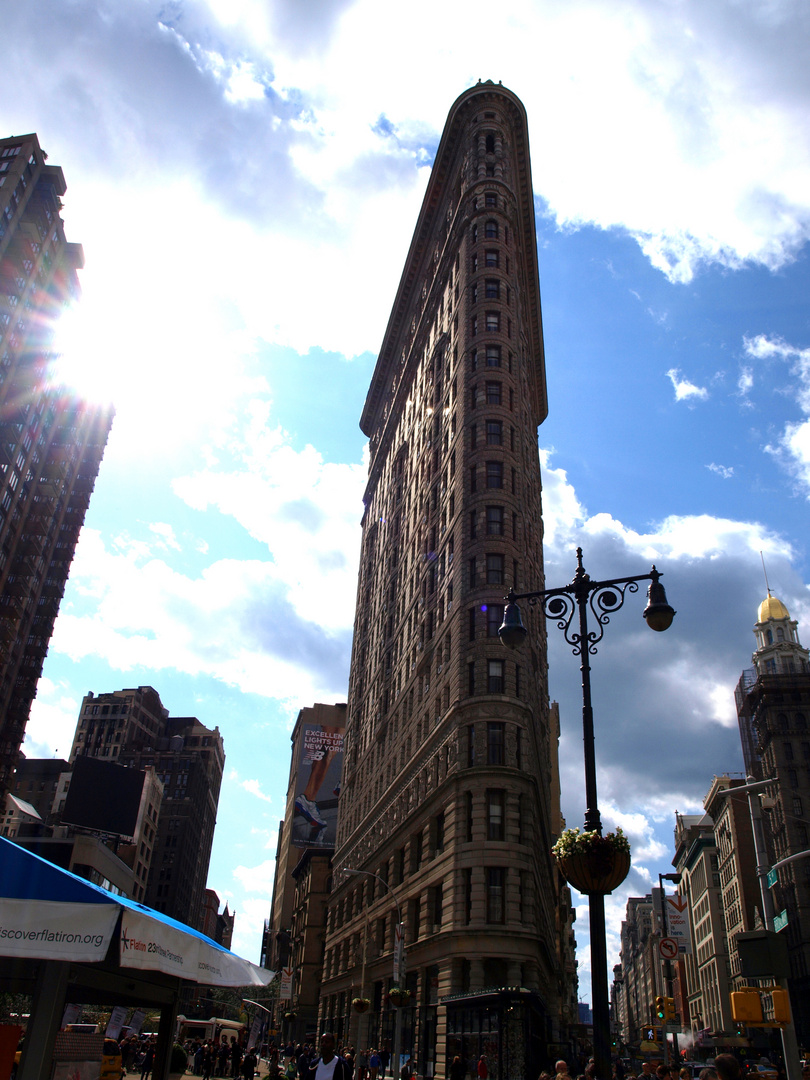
[(398, 996), (593, 863), (290, 1015), (360, 1004)]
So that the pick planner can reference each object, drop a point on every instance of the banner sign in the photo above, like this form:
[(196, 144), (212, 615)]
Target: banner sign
[(117, 1018), (678, 921), (317, 786), (51, 930), (285, 988), (255, 1031), (136, 1021), (152, 944)]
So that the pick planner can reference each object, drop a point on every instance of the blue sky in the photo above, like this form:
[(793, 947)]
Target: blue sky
[(245, 178)]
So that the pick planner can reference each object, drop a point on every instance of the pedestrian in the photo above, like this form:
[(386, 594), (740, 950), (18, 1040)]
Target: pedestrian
[(457, 1069), (249, 1065), (148, 1061), (483, 1071), (727, 1067), (374, 1064), (329, 1066)]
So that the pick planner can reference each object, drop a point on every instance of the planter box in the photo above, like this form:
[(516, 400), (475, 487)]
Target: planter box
[(600, 870)]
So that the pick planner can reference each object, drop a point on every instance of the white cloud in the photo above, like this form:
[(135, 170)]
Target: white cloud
[(792, 446), (726, 471), (52, 722), (255, 788), (684, 389), (745, 382)]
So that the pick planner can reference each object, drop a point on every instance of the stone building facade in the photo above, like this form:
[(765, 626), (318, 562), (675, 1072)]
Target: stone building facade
[(294, 935), (451, 751), (773, 707), (51, 442), (132, 727)]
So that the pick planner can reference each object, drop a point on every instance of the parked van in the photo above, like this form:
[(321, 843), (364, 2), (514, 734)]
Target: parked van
[(204, 1030)]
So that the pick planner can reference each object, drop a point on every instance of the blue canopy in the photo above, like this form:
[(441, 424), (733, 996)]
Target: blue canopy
[(49, 913)]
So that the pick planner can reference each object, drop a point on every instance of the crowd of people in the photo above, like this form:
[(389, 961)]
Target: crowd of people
[(723, 1067)]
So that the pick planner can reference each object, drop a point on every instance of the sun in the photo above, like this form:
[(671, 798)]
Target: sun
[(83, 357)]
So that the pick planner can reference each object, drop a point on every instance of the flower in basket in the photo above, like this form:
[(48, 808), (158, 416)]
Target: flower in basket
[(576, 842), (361, 1004), (590, 862), (397, 995)]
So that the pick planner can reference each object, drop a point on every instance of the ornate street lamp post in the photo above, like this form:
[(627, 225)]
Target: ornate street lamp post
[(603, 598)]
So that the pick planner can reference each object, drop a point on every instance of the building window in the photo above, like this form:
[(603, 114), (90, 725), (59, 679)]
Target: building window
[(492, 289), (473, 524), (495, 676), (416, 851), (493, 356), (495, 742), (470, 757), (491, 230), (494, 433), (436, 903), (474, 479), (414, 920), (495, 569), (472, 624), (490, 199), (495, 889), (473, 396), (473, 572), (493, 322), (468, 896), (493, 393), (494, 474), (474, 325), (495, 813), (491, 259), (494, 619), (471, 678), (473, 436), (494, 521)]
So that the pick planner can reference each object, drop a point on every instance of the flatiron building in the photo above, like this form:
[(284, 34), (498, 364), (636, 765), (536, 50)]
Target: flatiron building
[(450, 794)]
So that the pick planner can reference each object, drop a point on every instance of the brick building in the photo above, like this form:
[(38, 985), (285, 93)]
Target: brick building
[(451, 747)]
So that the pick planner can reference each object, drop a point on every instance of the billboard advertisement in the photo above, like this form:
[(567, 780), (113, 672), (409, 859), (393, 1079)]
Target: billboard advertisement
[(317, 786), (103, 796)]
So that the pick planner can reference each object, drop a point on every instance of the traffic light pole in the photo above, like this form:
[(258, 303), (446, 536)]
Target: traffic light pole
[(668, 978), (790, 1046)]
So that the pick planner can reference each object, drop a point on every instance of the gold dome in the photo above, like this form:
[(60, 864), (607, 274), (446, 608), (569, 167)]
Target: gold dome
[(771, 608)]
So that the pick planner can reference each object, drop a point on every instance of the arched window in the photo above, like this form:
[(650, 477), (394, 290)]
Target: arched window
[(780, 634), (769, 636), (490, 144)]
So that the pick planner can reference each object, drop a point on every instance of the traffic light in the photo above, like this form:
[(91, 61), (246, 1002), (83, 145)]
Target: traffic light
[(669, 1009), (746, 1006), (781, 1006), (660, 1009)]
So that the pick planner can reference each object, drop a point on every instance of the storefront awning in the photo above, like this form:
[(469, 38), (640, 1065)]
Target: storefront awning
[(47, 913)]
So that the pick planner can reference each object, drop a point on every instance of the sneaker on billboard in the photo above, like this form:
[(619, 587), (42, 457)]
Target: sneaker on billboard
[(310, 811)]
